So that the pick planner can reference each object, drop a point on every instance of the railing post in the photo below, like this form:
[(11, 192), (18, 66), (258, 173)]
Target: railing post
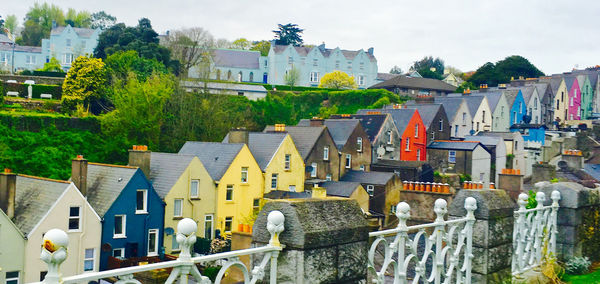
[(540, 197), (519, 234), (470, 206), (186, 237), (440, 208), (275, 225), (54, 253), (555, 196)]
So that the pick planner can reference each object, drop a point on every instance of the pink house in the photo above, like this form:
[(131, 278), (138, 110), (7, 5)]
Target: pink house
[(574, 103)]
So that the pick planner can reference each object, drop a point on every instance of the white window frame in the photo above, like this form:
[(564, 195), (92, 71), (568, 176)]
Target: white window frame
[(123, 227), (180, 213), (78, 218), (370, 189), (361, 80), (452, 157), (441, 125), (228, 219), (229, 188), (359, 144), (68, 42), (274, 177), (407, 142), (328, 177), (464, 118), (325, 153), (244, 175), (30, 59), (288, 162), (390, 138), (197, 188), (314, 77), (155, 248), (68, 58), (313, 172), (418, 154), (212, 225), (92, 259), (145, 201), (348, 161), (416, 130), (13, 278), (122, 252)]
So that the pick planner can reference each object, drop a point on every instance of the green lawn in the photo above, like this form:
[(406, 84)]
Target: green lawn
[(591, 278)]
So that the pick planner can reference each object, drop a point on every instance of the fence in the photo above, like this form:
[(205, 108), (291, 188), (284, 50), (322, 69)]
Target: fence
[(534, 234), (449, 242), (55, 242)]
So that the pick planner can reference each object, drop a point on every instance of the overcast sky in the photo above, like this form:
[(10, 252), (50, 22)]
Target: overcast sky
[(556, 36)]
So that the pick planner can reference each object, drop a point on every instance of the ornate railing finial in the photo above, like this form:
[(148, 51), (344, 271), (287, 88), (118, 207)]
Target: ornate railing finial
[(275, 226), (403, 214), (440, 208), (522, 200), (555, 196), (54, 252), (470, 206), (540, 197), (186, 237)]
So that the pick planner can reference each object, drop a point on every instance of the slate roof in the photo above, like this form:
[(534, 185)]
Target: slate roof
[(385, 76), (511, 96), (4, 39), (216, 157), (554, 83), (326, 52), (81, 32), (340, 188), (427, 112), (451, 105), (264, 145), (493, 97), (569, 80), (527, 91), (455, 145), (305, 137), (473, 103), (247, 59), (377, 178), (282, 194), (505, 135), (400, 116), (340, 129), (593, 170), (416, 83), (166, 169), (371, 123), (485, 140), (21, 48), (542, 88), (527, 126), (34, 198), (105, 183)]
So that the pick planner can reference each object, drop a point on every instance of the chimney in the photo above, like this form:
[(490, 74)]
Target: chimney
[(238, 135), (467, 91), (8, 189), (139, 156), (279, 127), (501, 86), (370, 50), (346, 115), (79, 168), (424, 99), (373, 112), (317, 121), (483, 88)]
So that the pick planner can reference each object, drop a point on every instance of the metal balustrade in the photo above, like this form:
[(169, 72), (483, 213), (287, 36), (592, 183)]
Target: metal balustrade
[(535, 230), (449, 247), (55, 243)]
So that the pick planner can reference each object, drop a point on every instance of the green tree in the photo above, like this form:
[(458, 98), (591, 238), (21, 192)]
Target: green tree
[(139, 109), (396, 70), (263, 46), (81, 19), (486, 74), (426, 73), (466, 85), (122, 63), (189, 46), (52, 66), (435, 65), (32, 34), (338, 80), (102, 20), (241, 43), (288, 34), (504, 70), (85, 84), (292, 77), (11, 23)]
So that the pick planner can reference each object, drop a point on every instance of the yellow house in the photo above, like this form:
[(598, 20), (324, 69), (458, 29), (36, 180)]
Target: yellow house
[(238, 178), (347, 189), (277, 156)]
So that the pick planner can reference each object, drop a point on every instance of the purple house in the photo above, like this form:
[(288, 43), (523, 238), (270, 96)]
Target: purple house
[(574, 103)]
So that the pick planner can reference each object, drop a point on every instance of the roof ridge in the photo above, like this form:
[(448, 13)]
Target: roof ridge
[(456, 141), (46, 179), (111, 165)]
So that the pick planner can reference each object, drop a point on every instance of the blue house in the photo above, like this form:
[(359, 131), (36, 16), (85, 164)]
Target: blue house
[(531, 132), (516, 102), (132, 212), (68, 43)]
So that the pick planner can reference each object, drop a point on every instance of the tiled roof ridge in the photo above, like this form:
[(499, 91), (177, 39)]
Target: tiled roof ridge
[(456, 141), (112, 165), (45, 179)]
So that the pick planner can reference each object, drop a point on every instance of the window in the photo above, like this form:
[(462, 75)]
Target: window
[(432, 135), (362, 168), (292, 188), (141, 201), (361, 80), (516, 145), (456, 130), (350, 65), (348, 161), (240, 76), (43, 275), (478, 126), (30, 59), (441, 126), (314, 77), (418, 154), (530, 111), (315, 62), (288, 161), (393, 209), (208, 226), (74, 218), (407, 148), (266, 63), (390, 137), (228, 224), (218, 74), (178, 207), (520, 107), (152, 242), (12, 277), (464, 118), (244, 175), (337, 64), (174, 243), (571, 101), (326, 153), (88, 259), (229, 75), (273, 181), (119, 230), (483, 118), (481, 176), (194, 184), (416, 130), (251, 77), (68, 42), (313, 170), (118, 253), (359, 144), (452, 157), (256, 204), (535, 103), (290, 60), (68, 58), (328, 177), (229, 193), (562, 96), (362, 65), (370, 189)]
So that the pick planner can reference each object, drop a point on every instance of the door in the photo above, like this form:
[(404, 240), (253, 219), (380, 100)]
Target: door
[(265, 77), (153, 242)]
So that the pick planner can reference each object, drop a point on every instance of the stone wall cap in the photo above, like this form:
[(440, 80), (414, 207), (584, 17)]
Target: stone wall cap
[(491, 203), (572, 195)]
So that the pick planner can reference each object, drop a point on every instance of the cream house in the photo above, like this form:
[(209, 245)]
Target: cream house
[(459, 115)]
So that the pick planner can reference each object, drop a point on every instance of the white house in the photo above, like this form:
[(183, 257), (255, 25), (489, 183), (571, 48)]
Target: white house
[(459, 115)]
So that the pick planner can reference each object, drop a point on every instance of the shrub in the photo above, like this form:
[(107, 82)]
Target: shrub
[(464, 177), (577, 265)]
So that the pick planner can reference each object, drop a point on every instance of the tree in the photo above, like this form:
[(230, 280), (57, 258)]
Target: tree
[(501, 72), (292, 77), (338, 80), (85, 84), (188, 46), (466, 85), (32, 34), (102, 20), (11, 23), (288, 34), (452, 70), (123, 63), (41, 17), (426, 73), (396, 70), (486, 74), (52, 66), (81, 19), (429, 63), (263, 46), (241, 43), (222, 43)]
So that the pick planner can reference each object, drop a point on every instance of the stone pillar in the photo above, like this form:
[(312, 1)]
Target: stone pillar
[(325, 241), (492, 233), (573, 160), (542, 172), (511, 183), (578, 219)]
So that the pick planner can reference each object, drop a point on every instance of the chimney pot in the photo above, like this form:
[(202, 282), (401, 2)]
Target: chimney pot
[(7, 171)]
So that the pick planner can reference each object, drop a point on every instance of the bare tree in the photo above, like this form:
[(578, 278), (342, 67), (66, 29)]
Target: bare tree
[(190, 46)]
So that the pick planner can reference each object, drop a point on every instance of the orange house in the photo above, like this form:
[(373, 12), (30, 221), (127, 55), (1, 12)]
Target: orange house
[(413, 146)]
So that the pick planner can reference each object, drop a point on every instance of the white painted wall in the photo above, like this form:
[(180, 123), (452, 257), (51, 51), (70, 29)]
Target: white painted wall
[(480, 170), (464, 125)]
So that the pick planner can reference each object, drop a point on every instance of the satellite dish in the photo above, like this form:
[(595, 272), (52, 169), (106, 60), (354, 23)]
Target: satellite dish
[(169, 231), (106, 247), (309, 169)]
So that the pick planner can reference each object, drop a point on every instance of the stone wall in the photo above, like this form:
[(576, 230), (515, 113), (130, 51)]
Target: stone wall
[(421, 204), (37, 79), (542, 172), (573, 161), (512, 184)]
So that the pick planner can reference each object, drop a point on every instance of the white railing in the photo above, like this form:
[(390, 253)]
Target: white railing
[(54, 252), (534, 234), (450, 242)]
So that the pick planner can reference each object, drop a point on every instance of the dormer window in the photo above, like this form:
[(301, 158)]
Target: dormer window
[(68, 42)]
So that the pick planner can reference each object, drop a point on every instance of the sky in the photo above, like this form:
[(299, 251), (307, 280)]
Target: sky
[(556, 36)]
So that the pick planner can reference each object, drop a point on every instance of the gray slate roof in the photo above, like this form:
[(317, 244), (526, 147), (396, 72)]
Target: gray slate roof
[(377, 178), (282, 194), (569, 80), (403, 81), (485, 140), (82, 32), (34, 198), (340, 188), (105, 183), (473, 103), (305, 137), (493, 97), (505, 135), (527, 91), (326, 52), (451, 105), (264, 145), (511, 96), (371, 123), (542, 88), (216, 157), (455, 145), (165, 170), (593, 170), (236, 58), (427, 112), (21, 48), (400, 116), (385, 76), (340, 129)]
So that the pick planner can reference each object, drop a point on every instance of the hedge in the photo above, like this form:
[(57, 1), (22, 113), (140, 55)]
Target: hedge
[(49, 74), (37, 90), (39, 121)]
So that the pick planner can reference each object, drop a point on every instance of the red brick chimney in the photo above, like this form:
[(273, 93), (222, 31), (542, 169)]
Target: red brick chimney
[(8, 191)]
